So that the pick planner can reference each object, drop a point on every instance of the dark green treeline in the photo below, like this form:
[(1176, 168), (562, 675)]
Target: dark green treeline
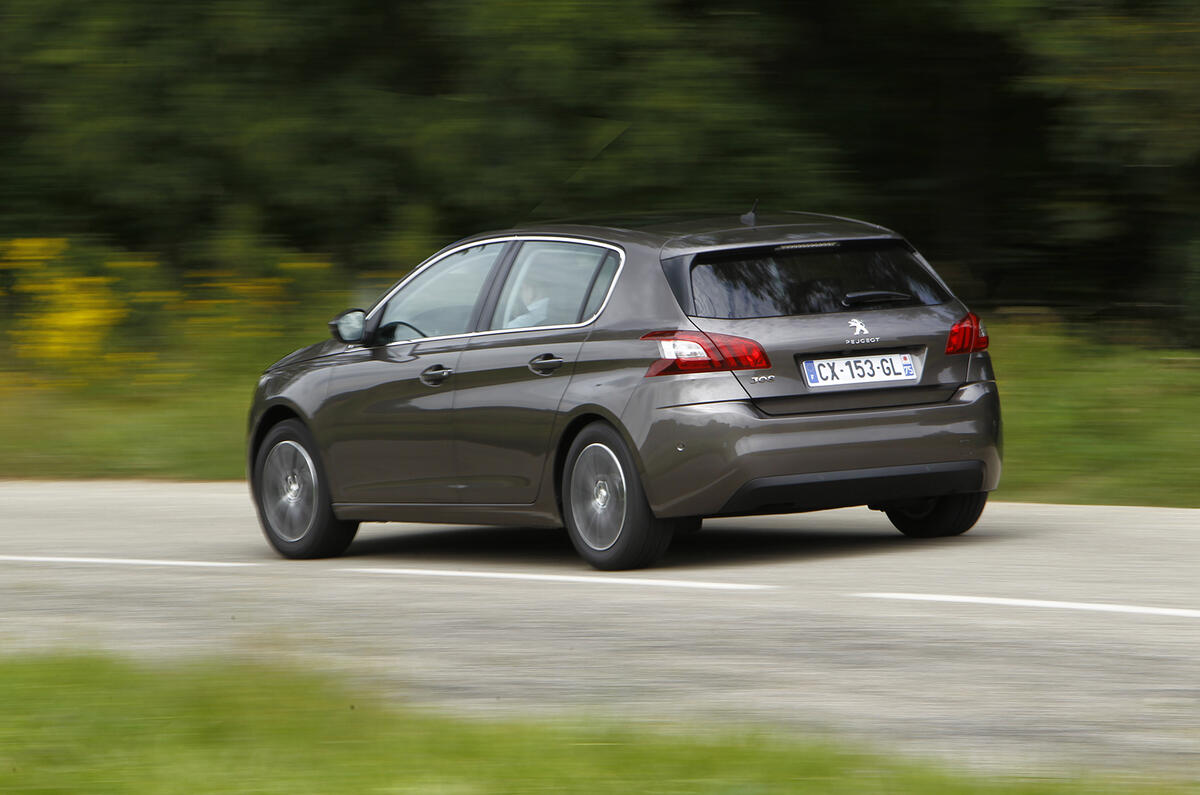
[(1038, 151)]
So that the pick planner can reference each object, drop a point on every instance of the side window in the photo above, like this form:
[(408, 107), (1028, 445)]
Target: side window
[(600, 285), (554, 284), (440, 300)]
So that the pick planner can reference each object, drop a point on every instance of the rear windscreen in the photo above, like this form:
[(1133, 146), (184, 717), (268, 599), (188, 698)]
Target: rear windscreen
[(847, 277)]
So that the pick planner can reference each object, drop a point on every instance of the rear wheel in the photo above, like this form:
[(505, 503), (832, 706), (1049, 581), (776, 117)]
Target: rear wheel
[(604, 506), (935, 517), (292, 497)]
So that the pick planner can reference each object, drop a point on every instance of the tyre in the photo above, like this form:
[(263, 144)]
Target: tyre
[(292, 496), (950, 515), (604, 506)]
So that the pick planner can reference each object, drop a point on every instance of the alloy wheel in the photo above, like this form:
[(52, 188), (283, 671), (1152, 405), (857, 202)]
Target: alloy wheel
[(598, 496), (289, 490)]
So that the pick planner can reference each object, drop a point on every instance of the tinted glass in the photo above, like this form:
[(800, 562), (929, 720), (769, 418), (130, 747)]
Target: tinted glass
[(770, 282), (548, 284), (441, 299), (600, 286)]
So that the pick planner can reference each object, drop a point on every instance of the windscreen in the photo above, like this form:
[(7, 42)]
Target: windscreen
[(807, 280)]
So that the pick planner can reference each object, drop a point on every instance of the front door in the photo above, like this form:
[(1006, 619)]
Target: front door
[(387, 420), (390, 434)]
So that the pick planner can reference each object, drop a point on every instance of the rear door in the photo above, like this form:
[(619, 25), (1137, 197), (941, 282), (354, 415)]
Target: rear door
[(846, 324), (512, 377)]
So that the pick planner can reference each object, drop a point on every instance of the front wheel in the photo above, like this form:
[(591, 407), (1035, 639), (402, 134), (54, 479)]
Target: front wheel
[(936, 517), (604, 506), (292, 497)]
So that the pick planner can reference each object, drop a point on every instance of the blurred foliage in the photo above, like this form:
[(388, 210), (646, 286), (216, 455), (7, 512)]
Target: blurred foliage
[(97, 725), (82, 315), (189, 190), (1039, 151), (1087, 421)]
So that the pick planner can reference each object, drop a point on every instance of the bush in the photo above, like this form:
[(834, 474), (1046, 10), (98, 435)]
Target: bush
[(77, 312)]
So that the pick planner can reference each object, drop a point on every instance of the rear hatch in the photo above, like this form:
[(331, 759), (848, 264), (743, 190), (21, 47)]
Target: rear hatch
[(847, 324)]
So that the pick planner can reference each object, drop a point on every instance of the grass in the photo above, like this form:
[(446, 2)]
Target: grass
[(184, 419), (1091, 422), (197, 435), (79, 724), (1086, 421)]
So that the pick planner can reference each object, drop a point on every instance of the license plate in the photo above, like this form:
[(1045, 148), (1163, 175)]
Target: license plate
[(848, 370)]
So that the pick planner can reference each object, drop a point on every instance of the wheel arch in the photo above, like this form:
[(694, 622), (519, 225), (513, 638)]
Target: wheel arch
[(270, 417), (580, 420)]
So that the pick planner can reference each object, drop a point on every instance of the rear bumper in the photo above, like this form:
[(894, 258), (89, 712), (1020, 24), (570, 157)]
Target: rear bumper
[(794, 493), (728, 458)]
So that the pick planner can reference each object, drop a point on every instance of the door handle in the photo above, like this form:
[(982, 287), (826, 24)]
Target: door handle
[(545, 364), (435, 374)]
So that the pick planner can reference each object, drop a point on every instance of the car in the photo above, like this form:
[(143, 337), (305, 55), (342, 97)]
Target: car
[(628, 378)]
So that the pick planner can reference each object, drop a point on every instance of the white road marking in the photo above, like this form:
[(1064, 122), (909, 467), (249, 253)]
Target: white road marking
[(596, 579), (491, 575), (992, 600), (124, 561)]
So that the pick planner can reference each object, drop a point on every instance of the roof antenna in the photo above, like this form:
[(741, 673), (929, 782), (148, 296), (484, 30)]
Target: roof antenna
[(750, 219)]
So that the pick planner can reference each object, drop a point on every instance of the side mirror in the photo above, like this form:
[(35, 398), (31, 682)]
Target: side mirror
[(349, 326)]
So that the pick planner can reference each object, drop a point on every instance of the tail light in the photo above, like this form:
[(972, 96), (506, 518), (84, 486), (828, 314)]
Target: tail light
[(967, 336), (698, 352)]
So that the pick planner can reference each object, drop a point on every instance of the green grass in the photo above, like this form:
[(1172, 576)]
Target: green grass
[(196, 435), (72, 724), (1096, 423), (183, 418), (1085, 421)]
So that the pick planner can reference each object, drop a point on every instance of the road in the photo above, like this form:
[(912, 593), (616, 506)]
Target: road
[(1080, 651)]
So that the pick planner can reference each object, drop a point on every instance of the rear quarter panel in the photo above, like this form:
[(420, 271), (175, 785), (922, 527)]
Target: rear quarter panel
[(610, 376), (613, 359)]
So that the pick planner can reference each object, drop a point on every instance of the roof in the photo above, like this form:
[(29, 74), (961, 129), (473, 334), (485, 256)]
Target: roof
[(689, 233)]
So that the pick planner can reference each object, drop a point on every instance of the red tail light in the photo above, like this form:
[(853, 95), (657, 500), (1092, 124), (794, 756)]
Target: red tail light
[(967, 336), (697, 352)]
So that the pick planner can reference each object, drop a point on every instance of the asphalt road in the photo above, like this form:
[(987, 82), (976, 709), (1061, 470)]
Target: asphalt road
[(1048, 639)]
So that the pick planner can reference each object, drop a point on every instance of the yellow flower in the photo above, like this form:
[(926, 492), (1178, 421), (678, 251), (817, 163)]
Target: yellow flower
[(71, 318), (30, 252)]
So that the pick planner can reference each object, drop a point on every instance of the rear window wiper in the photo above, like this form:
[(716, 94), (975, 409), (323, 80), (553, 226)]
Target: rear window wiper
[(874, 297)]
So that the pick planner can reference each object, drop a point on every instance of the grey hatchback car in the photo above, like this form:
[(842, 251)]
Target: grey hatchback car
[(628, 378)]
